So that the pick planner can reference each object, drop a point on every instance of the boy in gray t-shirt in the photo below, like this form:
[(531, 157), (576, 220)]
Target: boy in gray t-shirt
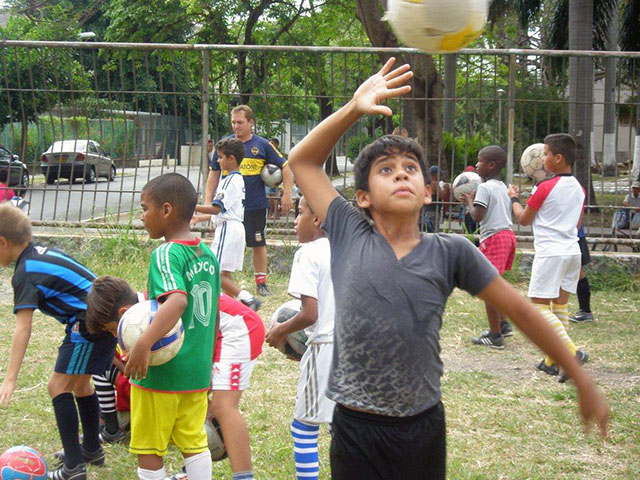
[(391, 284), (491, 207)]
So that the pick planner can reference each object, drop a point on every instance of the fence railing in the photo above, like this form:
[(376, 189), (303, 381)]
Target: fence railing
[(152, 106)]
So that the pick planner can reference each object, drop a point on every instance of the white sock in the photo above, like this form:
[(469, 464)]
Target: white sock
[(244, 295), (198, 466), (144, 474)]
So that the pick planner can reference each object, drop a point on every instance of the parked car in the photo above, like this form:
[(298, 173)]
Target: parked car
[(18, 175), (76, 159)]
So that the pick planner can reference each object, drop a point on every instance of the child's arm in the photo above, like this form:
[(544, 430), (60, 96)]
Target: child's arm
[(308, 156), (303, 319), (21, 336), (502, 296), (209, 209), (168, 314), (524, 215), (477, 212)]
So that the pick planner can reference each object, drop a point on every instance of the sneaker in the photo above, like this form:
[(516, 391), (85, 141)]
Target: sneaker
[(93, 458), (506, 329), (106, 437), (548, 369), (582, 358), (79, 472), (489, 339), (263, 290), (178, 476), (582, 317), (253, 304)]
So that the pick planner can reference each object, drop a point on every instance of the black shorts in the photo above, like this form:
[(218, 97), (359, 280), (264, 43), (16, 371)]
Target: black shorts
[(85, 354), (377, 447), (584, 251), (255, 222)]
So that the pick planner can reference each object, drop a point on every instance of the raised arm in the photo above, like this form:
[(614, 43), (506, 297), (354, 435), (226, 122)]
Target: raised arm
[(523, 215), (308, 156)]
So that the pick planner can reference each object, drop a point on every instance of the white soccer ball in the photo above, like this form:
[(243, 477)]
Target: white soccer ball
[(271, 175), (465, 183), (215, 440), (532, 162), (136, 320), (437, 26), (296, 343)]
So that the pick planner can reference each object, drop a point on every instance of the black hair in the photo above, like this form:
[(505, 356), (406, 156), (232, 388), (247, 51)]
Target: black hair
[(175, 189), (231, 146), (387, 145), (494, 153), (107, 295), (563, 144)]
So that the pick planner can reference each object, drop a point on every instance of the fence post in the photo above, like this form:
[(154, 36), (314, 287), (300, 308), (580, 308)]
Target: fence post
[(512, 117), (204, 160)]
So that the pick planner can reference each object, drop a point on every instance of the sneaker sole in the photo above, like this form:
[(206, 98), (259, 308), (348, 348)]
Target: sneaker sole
[(490, 345), (586, 320)]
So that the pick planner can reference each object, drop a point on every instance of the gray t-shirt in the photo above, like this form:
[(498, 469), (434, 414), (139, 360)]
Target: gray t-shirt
[(493, 196), (386, 357)]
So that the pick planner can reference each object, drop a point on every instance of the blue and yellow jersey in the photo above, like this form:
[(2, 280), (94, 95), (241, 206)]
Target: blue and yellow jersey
[(258, 152)]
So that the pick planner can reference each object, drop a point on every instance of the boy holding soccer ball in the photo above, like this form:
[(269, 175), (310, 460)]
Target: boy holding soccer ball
[(49, 280), (310, 281), (394, 283), (555, 211), (490, 206), (169, 401)]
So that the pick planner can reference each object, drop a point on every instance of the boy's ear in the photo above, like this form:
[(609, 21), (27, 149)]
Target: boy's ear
[(123, 309), (362, 198), (167, 208), (427, 194)]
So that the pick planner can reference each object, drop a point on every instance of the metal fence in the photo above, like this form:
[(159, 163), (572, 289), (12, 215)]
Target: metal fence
[(150, 110)]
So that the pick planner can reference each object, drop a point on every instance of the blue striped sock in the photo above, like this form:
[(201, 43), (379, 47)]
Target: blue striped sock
[(305, 450)]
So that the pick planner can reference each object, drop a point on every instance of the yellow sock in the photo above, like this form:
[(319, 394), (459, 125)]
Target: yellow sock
[(562, 312), (557, 326)]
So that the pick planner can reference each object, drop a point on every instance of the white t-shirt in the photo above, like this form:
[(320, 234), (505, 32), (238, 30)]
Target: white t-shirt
[(311, 276), (558, 202), (230, 198), (493, 196), (632, 201)]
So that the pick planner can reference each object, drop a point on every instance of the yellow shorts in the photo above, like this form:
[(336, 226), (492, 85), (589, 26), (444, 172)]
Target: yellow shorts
[(158, 418)]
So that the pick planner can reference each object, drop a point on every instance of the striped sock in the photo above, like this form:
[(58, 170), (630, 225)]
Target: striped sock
[(305, 450), (562, 312), (245, 475), (556, 324)]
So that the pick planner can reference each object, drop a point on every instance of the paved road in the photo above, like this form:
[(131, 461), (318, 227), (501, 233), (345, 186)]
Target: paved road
[(85, 202)]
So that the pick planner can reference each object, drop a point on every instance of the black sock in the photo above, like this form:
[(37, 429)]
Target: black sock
[(584, 295), (111, 421), (67, 420), (89, 409)]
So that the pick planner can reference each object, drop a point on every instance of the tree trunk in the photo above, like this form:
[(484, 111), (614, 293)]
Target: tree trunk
[(450, 72), (326, 109), (581, 89), (424, 103), (24, 126), (609, 162)]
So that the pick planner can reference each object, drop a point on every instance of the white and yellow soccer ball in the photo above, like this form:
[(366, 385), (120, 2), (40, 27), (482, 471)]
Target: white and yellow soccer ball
[(437, 26), (532, 162), (136, 320), (465, 183)]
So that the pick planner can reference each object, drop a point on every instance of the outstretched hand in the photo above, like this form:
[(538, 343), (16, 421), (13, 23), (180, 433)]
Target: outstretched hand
[(383, 85)]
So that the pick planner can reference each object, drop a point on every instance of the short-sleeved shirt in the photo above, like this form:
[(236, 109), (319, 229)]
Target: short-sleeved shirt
[(189, 268), (258, 152), (311, 277), (558, 203), (632, 201), (230, 198), (47, 279), (241, 332), (493, 196), (386, 356)]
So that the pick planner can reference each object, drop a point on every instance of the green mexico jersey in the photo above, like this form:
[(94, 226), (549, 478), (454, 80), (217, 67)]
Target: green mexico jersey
[(190, 268)]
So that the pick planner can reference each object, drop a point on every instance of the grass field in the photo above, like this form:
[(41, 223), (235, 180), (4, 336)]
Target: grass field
[(505, 420)]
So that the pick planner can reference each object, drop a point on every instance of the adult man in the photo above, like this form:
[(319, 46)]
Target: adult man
[(258, 151)]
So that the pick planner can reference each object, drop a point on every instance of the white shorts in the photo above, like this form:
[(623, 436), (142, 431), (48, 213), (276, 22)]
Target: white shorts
[(228, 245), (550, 274), (312, 404), (230, 375)]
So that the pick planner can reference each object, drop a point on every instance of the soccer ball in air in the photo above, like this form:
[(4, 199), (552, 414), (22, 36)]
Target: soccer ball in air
[(271, 175), (532, 162), (437, 26), (296, 342), (136, 320), (22, 463), (215, 440), (465, 183)]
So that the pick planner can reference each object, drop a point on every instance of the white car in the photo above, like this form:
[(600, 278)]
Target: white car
[(76, 159)]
